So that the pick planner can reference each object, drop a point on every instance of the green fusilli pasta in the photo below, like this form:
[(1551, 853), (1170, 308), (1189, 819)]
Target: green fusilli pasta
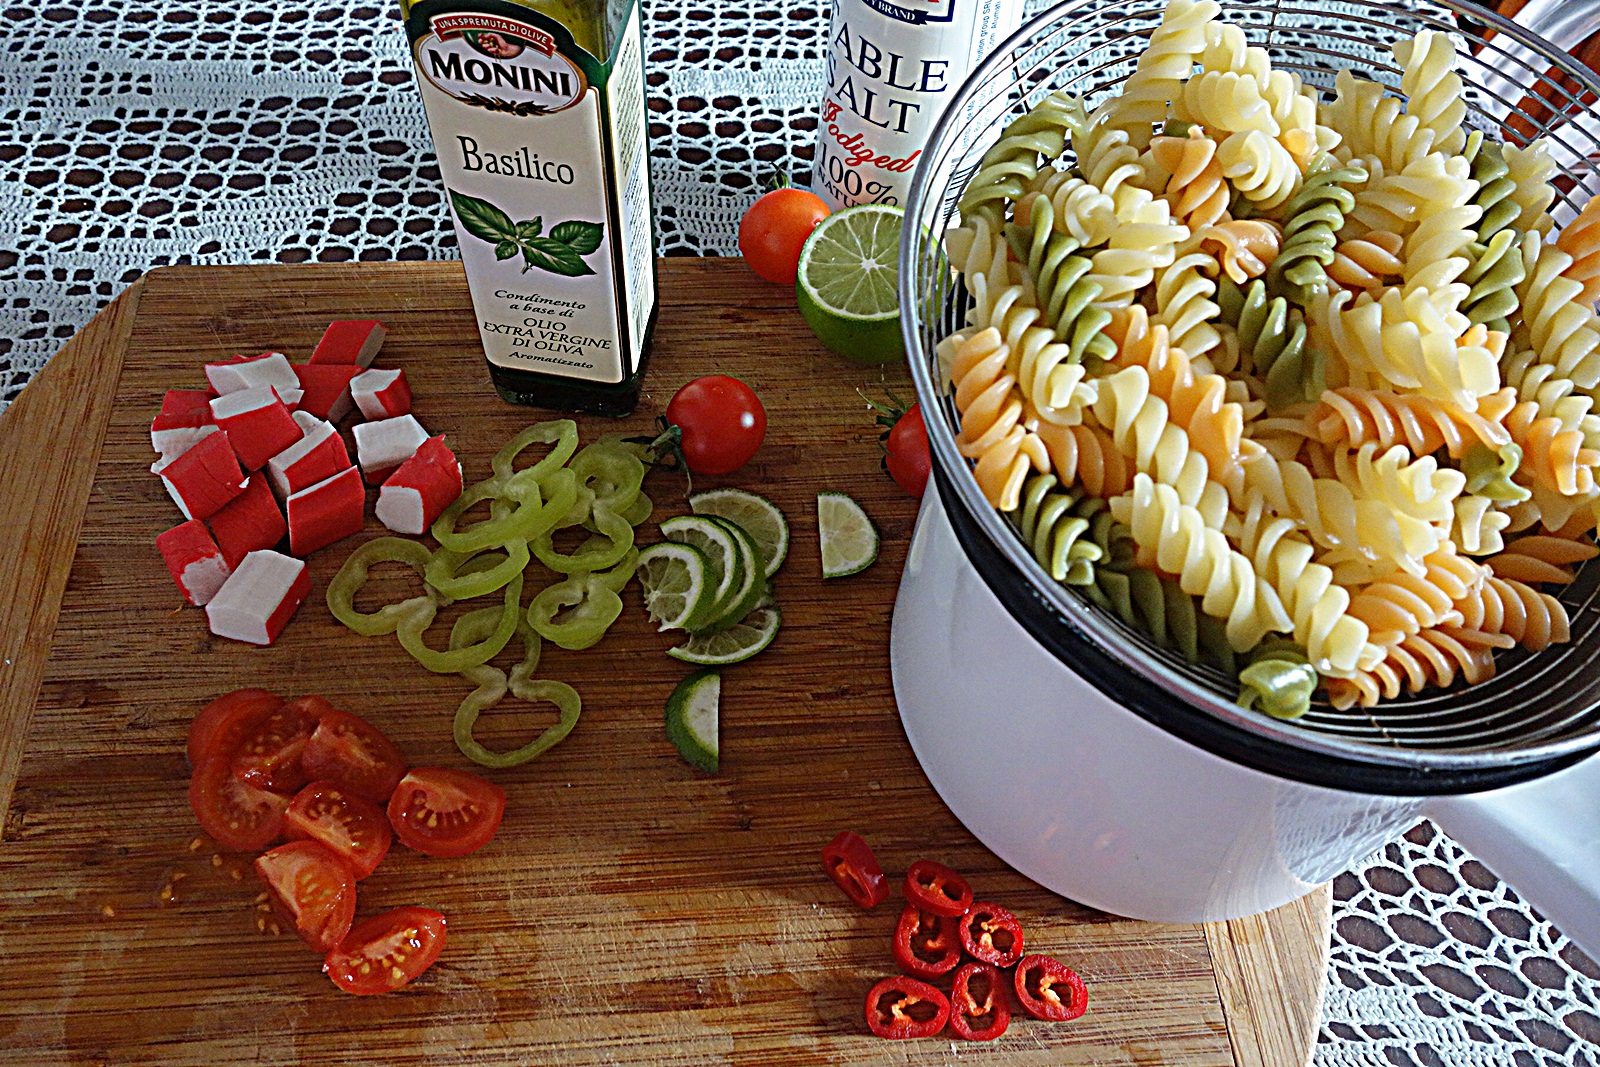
[(1311, 219)]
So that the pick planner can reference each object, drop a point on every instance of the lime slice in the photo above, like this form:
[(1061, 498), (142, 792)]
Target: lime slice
[(755, 586), (755, 515), (722, 551), (735, 644), (692, 719), (676, 580), (847, 538), (847, 283)]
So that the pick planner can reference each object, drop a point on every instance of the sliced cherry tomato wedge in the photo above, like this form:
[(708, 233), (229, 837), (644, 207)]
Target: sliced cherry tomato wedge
[(235, 814), (1049, 989), (269, 756), (442, 812), (221, 725), (355, 828), (991, 934), (980, 1007), (312, 890), (849, 861), (901, 1008), (926, 945), (347, 749), (386, 951), (934, 887)]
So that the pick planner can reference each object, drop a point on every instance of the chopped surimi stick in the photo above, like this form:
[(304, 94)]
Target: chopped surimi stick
[(243, 372), (320, 454), (420, 488), (252, 521), (326, 389), (185, 417), (205, 478), (290, 397), (175, 442), (258, 424), (382, 394), (325, 512), (259, 597), (350, 341), (195, 561), (383, 445)]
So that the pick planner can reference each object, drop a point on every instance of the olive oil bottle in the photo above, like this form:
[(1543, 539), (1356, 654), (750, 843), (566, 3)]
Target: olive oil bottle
[(537, 112)]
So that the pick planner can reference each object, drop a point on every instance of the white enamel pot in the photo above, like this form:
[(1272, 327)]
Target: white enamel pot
[(1110, 809)]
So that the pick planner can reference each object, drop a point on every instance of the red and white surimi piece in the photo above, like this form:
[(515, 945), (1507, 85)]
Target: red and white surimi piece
[(325, 389), (244, 372), (325, 512), (382, 394), (259, 597), (420, 488), (205, 478), (185, 417), (194, 560), (251, 521), (258, 424), (319, 455), (350, 341), (383, 445)]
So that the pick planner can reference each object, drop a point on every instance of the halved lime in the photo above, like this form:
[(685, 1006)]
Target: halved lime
[(755, 515), (754, 586), (734, 645), (677, 584), (692, 724), (847, 538), (847, 283), (722, 552)]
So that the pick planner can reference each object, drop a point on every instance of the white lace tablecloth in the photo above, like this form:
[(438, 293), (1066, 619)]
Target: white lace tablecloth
[(189, 131)]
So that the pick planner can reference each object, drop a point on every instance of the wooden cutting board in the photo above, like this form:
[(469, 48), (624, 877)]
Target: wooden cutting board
[(631, 910)]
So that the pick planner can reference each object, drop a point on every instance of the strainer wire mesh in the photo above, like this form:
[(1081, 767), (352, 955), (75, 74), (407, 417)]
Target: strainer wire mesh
[(1539, 705)]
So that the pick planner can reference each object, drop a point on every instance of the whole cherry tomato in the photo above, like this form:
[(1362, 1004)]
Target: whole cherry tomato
[(907, 451), (722, 423), (773, 230)]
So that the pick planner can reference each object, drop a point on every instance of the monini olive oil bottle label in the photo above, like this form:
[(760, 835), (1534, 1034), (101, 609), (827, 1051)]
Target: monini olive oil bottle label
[(537, 112)]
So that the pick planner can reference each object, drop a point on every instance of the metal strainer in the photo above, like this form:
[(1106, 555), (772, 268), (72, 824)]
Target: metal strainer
[(1539, 710)]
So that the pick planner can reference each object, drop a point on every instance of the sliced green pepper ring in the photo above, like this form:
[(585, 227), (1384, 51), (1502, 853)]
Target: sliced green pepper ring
[(464, 575), (491, 689), (413, 627), (503, 525), (612, 473), (352, 576), (593, 608), (486, 696), (560, 434), (597, 553), (616, 579), (635, 514)]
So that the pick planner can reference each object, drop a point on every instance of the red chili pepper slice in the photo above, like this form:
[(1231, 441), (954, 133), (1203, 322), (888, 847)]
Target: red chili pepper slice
[(926, 945), (979, 1004), (901, 1008), (849, 861), (991, 934), (1049, 989), (934, 887)]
